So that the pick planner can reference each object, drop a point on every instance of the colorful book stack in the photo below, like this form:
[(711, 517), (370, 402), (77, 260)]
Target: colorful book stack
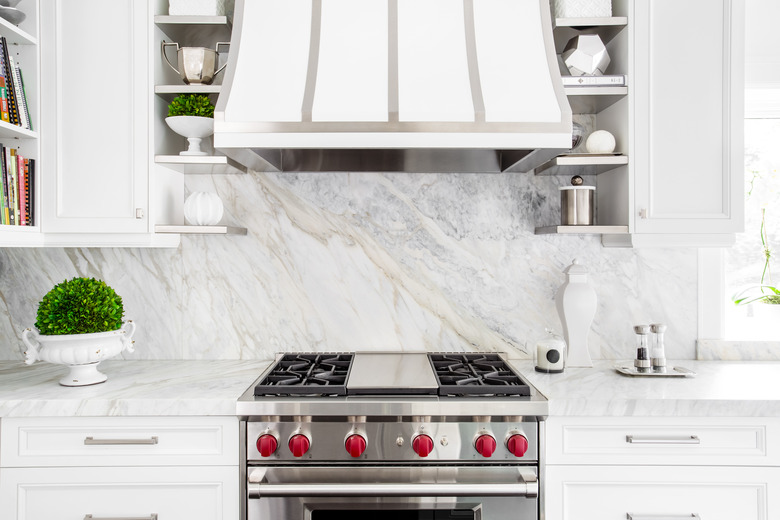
[(13, 99), (17, 196)]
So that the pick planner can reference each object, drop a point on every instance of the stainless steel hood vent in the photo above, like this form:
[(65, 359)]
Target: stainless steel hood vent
[(391, 85)]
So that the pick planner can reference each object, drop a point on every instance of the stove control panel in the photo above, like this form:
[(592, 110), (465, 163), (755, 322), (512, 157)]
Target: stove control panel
[(402, 441)]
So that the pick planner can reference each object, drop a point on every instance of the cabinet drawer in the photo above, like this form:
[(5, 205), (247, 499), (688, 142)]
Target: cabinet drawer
[(614, 492), (191, 493), (663, 441), (118, 441)]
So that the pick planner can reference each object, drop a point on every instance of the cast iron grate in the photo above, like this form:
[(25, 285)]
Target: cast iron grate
[(307, 374), (476, 374)]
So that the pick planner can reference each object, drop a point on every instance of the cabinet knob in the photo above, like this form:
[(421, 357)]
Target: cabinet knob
[(643, 213), (139, 213)]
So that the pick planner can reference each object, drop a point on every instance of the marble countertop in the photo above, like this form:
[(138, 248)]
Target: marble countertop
[(719, 389), (189, 387), (172, 387)]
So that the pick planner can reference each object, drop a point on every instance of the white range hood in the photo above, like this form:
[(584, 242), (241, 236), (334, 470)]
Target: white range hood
[(391, 85)]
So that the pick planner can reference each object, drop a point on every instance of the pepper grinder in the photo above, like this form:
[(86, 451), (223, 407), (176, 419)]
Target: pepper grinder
[(642, 362), (576, 305), (657, 354)]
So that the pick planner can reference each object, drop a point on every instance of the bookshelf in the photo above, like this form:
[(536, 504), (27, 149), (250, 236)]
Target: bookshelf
[(23, 47)]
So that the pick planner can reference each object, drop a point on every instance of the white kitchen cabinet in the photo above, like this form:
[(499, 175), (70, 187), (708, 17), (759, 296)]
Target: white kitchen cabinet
[(674, 493), (116, 467), (95, 138), (685, 123), (171, 493), (609, 467)]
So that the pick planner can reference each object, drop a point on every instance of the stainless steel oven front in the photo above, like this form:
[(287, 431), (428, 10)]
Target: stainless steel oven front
[(397, 492), (349, 468)]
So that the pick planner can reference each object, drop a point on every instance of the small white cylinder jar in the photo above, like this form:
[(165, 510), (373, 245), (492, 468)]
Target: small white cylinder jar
[(203, 209)]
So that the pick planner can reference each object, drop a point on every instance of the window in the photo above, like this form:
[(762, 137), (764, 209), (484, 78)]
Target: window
[(751, 262)]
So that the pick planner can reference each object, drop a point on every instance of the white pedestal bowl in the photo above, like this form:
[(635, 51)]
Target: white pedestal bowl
[(194, 128), (81, 352)]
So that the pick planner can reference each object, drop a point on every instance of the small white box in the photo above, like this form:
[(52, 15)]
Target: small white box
[(582, 8), (200, 7)]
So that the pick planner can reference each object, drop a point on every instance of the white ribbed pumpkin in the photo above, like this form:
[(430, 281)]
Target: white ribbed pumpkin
[(203, 209)]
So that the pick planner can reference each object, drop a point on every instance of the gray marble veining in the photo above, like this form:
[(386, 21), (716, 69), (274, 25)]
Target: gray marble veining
[(362, 261)]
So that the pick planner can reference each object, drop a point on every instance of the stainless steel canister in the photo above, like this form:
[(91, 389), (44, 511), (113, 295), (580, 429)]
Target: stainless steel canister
[(577, 205)]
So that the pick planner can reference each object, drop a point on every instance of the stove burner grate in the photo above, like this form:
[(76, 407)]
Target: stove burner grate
[(307, 374), (476, 374)]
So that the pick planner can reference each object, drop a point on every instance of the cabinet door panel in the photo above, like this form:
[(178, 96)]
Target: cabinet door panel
[(95, 118), (191, 493), (688, 124), (612, 492)]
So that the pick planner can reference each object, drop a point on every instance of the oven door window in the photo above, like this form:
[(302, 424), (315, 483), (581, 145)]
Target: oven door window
[(397, 514)]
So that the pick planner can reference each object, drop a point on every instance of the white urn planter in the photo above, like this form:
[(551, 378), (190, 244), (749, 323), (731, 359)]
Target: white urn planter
[(81, 352), (194, 128)]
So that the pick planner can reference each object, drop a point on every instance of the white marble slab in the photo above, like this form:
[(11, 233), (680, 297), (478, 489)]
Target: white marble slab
[(133, 388), (359, 261), (740, 389), (737, 389), (723, 350)]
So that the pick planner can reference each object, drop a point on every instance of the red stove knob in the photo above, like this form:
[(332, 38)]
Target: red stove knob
[(485, 445), (422, 445), (355, 445), (267, 444), (517, 444), (299, 445)]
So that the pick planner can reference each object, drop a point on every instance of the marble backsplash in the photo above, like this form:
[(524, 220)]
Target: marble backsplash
[(359, 261)]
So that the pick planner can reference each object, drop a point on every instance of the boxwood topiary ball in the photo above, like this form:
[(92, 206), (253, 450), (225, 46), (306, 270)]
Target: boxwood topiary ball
[(79, 306)]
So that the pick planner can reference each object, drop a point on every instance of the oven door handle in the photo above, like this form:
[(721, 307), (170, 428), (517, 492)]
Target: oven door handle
[(519, 489)]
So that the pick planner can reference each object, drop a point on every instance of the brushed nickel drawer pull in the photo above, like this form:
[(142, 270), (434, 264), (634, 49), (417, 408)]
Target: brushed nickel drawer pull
[(153, 516), (694, 516), (91, 441), (681, 439)]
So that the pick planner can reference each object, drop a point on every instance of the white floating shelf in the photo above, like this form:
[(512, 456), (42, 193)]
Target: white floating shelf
[(582, 230), (16, 36), (607, 28), (198, 164), (581, 164), (592, 100), (201, 230), (184, 28), (181, 88)]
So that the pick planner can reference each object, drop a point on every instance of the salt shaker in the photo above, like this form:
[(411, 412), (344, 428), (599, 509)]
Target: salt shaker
[(657, 355), (642, 361)]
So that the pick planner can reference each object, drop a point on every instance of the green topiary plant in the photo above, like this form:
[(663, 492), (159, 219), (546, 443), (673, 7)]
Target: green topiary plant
[(191, 105), (79, 306)]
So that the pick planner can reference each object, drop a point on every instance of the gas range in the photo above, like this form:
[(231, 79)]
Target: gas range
[(347, 434)]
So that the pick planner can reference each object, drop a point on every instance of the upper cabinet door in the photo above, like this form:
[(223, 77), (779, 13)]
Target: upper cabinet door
[(688, 116), (94, 138)]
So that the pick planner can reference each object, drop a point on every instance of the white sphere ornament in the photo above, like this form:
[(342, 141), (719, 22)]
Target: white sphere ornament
[(203, 209), (600, 141)]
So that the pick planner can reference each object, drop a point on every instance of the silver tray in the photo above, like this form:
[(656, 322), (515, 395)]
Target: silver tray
[(630, 370)]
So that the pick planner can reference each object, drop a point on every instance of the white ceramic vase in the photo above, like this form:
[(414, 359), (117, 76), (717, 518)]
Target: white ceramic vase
[(81, 352), (194, 128), (203, 209), (576, 304)]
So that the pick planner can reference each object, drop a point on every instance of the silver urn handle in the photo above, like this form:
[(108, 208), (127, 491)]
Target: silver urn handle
[(165, 44), (216, 48)]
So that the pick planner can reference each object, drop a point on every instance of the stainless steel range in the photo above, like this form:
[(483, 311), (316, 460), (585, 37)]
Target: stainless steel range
[(391, 435)]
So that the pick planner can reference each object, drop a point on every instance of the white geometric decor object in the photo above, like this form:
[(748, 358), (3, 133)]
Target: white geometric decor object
[(586, 55), (600, 141), (200, 7), (81, 352), (203, 209), (194, 128), (583, 8)]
